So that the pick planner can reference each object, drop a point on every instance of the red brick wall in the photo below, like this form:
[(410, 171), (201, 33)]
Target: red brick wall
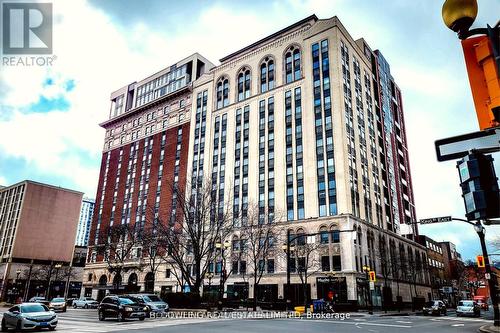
[(167, 179)]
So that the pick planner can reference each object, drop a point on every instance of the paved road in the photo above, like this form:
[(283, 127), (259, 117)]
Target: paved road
[(85, 321)]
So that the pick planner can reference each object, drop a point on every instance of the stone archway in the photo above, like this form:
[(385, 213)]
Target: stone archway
[(132, 283), (149, 282)]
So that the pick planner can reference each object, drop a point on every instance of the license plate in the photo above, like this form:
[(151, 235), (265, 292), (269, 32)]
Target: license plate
[(44, 324)]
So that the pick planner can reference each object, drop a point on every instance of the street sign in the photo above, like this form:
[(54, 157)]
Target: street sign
[(487, 276), (372, 285), (456, 147), (435, 220)]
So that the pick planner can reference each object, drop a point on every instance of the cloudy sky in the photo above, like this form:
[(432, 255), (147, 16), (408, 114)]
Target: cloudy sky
[(49, 115)]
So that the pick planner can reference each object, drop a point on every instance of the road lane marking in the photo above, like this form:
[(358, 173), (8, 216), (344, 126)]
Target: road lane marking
[(355, 323)]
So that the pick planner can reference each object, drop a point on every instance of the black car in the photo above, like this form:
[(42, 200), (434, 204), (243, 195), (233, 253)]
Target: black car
[(120, 308)]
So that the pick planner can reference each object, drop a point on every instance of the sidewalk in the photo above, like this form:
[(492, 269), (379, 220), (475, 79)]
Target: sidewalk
[(489, 329)]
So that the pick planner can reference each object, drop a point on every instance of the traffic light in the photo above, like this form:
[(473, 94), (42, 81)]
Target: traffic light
[(372, 276), (480, 261), (479, 186), (484, 78)]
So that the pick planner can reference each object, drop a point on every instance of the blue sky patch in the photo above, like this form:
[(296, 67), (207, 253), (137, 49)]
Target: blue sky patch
[(45, 105)]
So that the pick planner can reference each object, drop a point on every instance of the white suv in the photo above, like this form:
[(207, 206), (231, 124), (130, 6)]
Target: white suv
[(85, 302)]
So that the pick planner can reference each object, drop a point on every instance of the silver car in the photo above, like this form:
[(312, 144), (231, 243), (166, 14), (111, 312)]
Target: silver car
[(29, 316), (85, 302)]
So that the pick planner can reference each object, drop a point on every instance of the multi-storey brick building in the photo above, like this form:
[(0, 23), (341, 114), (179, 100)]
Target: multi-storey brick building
[(306, 123)]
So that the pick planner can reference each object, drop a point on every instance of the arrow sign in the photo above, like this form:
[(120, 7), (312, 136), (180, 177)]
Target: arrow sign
[(435, 220), (456, 147)]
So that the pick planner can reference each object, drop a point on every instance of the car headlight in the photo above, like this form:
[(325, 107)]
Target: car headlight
[(128, 308), (145, 308)]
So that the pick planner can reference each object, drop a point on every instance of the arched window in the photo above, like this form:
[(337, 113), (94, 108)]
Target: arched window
[(323, 235), (243, 83), (301, 237), (267, 74), (292, 64), (222, 92)]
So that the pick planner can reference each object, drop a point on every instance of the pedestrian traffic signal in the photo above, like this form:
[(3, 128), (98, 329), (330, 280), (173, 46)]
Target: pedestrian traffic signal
[(480, 261), (372, 276), (479, 187)]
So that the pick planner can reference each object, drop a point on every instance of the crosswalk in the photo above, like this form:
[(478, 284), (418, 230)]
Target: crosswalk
[(86, 321)]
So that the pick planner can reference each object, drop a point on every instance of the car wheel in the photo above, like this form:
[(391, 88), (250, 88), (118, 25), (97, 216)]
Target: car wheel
[(4, 326), (18, 326), (86, 306), (52, 328), (141, 318), (74, 306), (101, 316), (120, 317)]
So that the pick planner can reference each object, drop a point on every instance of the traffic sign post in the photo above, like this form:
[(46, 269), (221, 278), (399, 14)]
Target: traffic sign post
[(455, 147)]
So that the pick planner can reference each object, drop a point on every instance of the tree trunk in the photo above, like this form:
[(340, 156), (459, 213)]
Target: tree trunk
[(255, 293)]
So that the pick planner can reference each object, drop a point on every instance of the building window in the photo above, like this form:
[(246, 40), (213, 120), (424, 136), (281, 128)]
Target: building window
[(325, 263), (336, 263), (222, 92), (167, 273), (243, 83), (323, 237), (292, 64), (335, 236), (270, 266), (267, 74)]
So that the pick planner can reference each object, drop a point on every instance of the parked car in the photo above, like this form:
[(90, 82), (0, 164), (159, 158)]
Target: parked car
[(482, 302), (86, 303), (29, 316), (121, 308), (434, 308), (151, 301), (58, 304), (39, 299), (468, 308)]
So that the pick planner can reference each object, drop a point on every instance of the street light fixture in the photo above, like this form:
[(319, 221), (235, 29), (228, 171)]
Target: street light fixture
[(458, 15), (367, 270), (222, 247)]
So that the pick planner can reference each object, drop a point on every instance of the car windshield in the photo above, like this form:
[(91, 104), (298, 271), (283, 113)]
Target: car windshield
[(57, 300), (89, 299), (152, 298), (126, 300), (430, 303), (465, 303), (33, 308)]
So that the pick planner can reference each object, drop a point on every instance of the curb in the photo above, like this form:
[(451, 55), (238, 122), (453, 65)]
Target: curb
[(489, 329)]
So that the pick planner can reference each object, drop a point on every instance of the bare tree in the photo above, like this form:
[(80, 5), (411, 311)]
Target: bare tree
[(259, 243), (307, 260), (117, 245), (190, 235), (154, 248)]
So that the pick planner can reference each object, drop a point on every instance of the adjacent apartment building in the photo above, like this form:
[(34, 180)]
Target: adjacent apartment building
[(85, 222), (33, 216), (306, 123)]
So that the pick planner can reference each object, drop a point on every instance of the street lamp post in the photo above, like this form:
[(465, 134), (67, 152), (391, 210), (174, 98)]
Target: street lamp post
[(222, 247), (367, 269), (492, 280)]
